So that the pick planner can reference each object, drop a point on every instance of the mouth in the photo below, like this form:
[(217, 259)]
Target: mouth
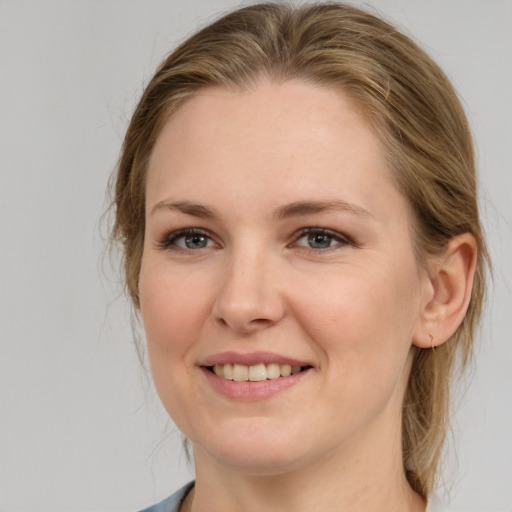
[(255, 373)]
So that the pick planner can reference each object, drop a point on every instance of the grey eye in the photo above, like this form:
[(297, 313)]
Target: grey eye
[(187, 239), (319, 241), (320, 238), (195, 241)]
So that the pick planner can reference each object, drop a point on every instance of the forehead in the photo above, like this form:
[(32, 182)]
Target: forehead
[(295, 137), (293, 108)]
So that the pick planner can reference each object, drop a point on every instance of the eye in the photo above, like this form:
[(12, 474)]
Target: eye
[(319, 238), (187, 239), (195, 241)]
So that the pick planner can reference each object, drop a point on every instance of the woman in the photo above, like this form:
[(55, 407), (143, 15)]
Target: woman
[(296, 199)]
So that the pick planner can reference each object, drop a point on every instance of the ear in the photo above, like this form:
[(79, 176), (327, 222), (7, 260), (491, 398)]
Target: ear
[(447, 296)]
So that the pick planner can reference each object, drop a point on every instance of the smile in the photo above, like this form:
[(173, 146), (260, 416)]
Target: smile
[(255, 373), (253, 376)]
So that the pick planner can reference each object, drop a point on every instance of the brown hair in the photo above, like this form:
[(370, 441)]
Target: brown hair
[(413, 108)]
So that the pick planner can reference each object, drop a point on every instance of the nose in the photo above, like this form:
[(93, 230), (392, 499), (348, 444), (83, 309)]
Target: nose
[(249, 298)]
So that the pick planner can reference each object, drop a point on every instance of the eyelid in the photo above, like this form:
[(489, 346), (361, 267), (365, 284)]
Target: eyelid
[(335, 235), (169, 238)]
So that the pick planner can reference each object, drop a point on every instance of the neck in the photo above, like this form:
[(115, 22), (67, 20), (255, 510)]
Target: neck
[(345, 480)]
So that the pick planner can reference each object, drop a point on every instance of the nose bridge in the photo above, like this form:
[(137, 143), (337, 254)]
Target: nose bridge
[(249, 296)]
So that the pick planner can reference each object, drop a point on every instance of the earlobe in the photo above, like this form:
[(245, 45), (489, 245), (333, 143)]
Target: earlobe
[(450, 285)]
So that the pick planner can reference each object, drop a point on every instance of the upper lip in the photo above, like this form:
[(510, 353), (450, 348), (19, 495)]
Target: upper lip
[(250, 359)]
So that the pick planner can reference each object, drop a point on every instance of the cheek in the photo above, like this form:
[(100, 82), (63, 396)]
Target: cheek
[(173, 307), (358, 321), (362, 316)]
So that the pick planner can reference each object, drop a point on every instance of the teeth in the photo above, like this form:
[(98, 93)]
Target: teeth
[(256, 373), (273, 371), (228, 371), (286, 370), (240, 372)]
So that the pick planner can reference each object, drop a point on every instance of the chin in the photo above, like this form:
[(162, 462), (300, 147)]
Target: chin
[(258, 452), (259, 462)]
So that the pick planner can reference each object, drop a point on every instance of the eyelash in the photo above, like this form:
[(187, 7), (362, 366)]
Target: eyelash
[(340, 239), (170, 239)]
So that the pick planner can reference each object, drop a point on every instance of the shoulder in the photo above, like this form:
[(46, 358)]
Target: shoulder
[(434, 504), (173, 502)]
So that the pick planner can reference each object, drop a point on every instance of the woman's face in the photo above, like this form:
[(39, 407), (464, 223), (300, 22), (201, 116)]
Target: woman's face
[(275, 238)]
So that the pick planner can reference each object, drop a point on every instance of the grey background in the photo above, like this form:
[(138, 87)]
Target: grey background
[(80, 426)]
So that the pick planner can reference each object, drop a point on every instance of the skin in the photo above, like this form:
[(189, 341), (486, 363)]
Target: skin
[(353, 310)]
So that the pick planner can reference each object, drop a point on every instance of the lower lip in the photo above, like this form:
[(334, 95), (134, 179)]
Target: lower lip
[(247, 390)]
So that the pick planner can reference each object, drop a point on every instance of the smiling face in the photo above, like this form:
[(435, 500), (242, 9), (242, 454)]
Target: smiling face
[(276, 241)]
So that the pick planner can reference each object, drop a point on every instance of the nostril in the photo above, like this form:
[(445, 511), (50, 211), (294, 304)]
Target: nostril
[(222, 321), (243, 324), (260, 321)]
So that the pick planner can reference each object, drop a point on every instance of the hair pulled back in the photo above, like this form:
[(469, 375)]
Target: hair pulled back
[(412, 107)]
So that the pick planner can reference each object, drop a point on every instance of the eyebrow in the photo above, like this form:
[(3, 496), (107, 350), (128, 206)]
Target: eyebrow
[(310, 207), (295, 209), (196, 210)]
